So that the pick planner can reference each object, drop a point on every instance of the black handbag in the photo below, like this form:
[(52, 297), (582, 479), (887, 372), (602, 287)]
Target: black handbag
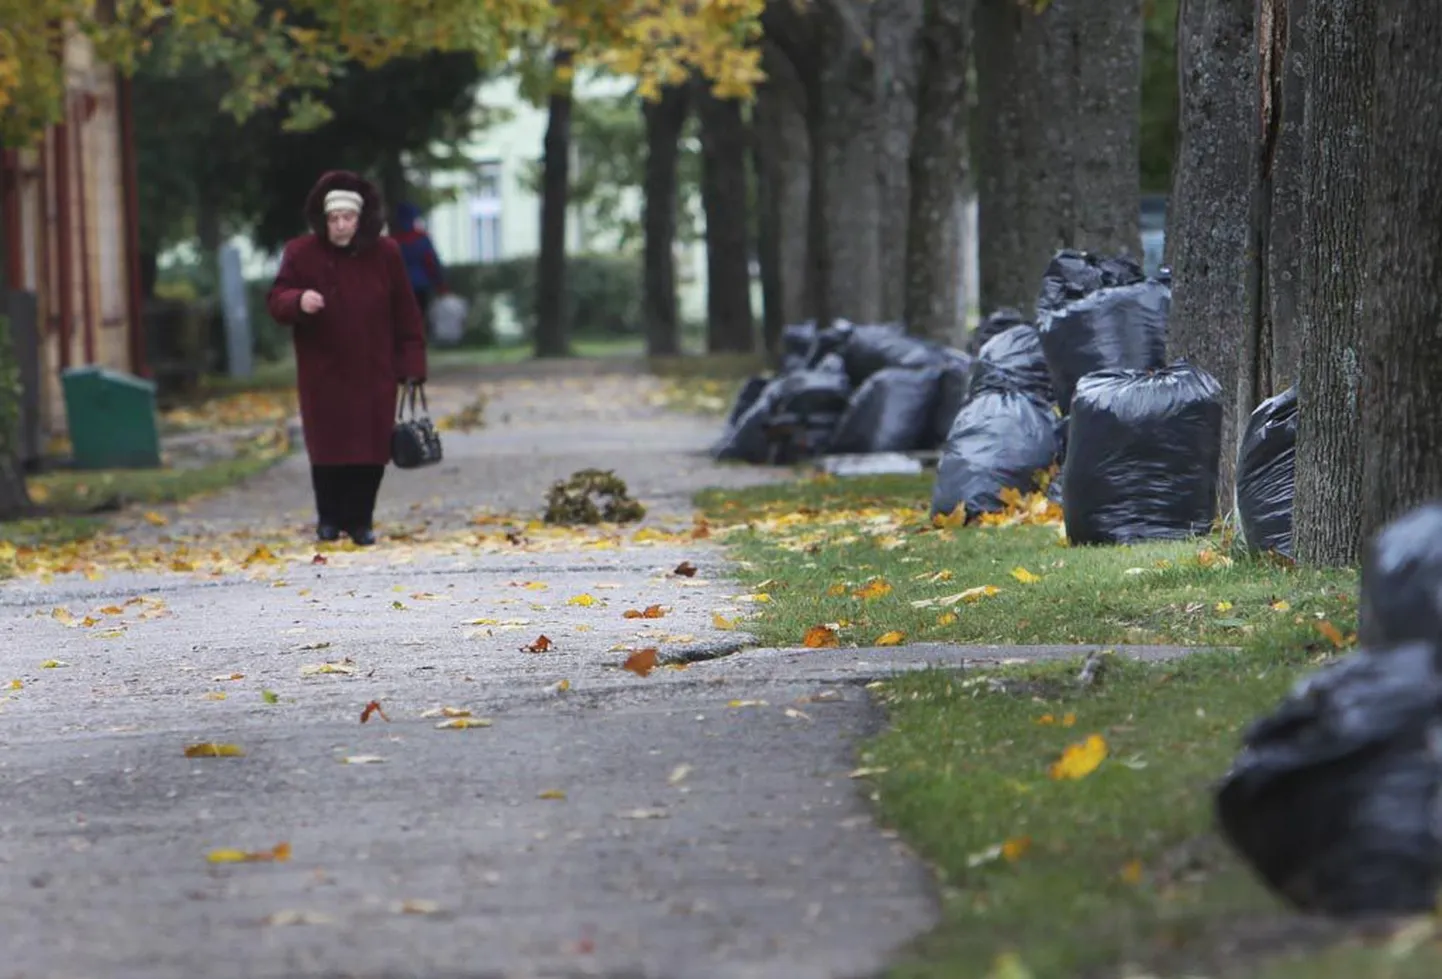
[(414, 441)]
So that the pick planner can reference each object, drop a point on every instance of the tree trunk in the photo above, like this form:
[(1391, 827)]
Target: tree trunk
[(1401, 259), (553, 329), (843, 123), (1341, 39), (768, 228), (729, 325), (14, 497), (1288, 185), (1059, 96), (1209, 239), (665, 118), (784, 164), (895, 26), (937, 171), (393, 182)]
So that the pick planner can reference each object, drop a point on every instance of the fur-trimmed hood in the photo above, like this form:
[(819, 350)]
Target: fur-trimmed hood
[(373, 211)]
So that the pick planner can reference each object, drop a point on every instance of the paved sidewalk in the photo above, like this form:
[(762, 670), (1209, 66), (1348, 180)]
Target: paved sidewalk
[(697, 821)]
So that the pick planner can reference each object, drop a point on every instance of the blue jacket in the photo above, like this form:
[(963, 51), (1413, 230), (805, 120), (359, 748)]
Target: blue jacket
[(422, 263)]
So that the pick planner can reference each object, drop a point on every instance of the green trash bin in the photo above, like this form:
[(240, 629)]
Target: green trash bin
[(112, 419)]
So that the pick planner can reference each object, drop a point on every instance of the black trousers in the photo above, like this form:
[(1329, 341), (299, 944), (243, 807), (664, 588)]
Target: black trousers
[(345, 496)]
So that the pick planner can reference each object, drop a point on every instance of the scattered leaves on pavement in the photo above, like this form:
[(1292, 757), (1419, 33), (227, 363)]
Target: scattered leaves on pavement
[(542, 644), (211, 749), (463, 723), (649, 612), (374, 707)]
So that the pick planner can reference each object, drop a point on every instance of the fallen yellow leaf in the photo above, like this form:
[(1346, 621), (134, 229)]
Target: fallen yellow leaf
[(875, 588), (280, 853), (462, 723), (551, 794), (1281, 605), (156, 519), (722, 623), (892, 638), (1024, 576), (1014, 849), (1132, 872), (946, 619), (821, 637), (210, 749), (53, 664), (1224, 606), (585, 601), (1081, 759)]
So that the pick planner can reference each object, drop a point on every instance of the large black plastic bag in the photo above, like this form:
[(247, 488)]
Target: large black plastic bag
[(874, 348), (746, 397), (1401, 592), (1266, 474), (804, 415), (1334, 798), (831, 340), (1002, 438), (952, 391), (890, 412), (796, 341), (745, 439), (1121, 326), (750, 438), (997, 321), (1142, 455), (1018, 352), (1072, 274)]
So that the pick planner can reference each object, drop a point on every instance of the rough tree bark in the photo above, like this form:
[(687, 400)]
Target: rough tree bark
[(896, 52), (1401, 259), (664, 120), (1288, 186), (1209, 240), (846, 199), (1058, 128), (783, 166), (724, 197), (1340, 38), (553, 329), (937, 171)]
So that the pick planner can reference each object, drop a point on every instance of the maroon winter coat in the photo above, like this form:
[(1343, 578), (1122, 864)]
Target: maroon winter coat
[(349, 356)]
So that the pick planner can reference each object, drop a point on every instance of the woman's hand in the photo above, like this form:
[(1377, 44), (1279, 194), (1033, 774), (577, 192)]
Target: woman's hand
[(311, 301)]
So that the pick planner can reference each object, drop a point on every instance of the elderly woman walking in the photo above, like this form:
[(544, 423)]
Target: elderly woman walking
[(358, 334)]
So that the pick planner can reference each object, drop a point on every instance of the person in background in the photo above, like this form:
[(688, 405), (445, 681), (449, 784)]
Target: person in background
[(358, 334), (428, 276)]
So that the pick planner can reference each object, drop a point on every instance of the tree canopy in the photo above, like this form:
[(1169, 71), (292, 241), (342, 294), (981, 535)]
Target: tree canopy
[(266, 51)]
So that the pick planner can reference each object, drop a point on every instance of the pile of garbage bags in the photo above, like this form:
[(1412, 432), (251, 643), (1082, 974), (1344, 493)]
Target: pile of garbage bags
[(848, 389), (1086, 383), (1335, 799)]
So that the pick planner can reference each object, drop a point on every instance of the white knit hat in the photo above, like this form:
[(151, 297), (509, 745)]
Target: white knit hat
[(342, 200)]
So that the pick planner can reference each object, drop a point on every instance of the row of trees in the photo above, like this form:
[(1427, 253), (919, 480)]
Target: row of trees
[(1304, 200)]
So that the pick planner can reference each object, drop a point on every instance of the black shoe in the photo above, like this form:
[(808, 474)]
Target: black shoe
[(363, 536), (327, 532)]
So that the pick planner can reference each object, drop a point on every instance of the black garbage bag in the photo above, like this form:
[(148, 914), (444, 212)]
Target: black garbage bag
[(1062, 425), (750, 437), (805, 413), (1118, 326), (1334, 797), (746, 397), (1142, 455), (745, 439), (875, 348), (1002, 438), (1072, 274), (1401, 590), (796, 341), (952, 391), (831, 340), (890, 412), (1018, 352), (1266, 474), (998, 321)]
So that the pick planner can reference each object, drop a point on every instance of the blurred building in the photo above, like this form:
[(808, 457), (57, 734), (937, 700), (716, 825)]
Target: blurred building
[(71, 249)]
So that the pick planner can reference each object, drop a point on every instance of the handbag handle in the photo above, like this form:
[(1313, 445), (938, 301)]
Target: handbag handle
[(409, 396)]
